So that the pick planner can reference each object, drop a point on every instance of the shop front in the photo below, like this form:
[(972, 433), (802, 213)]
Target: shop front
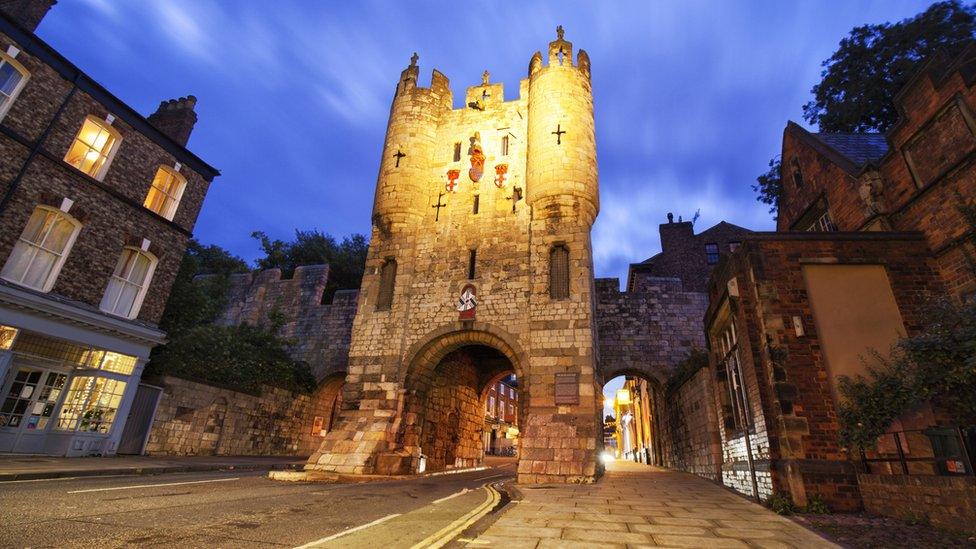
[(66, 385)]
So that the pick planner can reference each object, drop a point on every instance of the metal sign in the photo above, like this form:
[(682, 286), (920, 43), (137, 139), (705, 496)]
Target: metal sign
[(567, 389)]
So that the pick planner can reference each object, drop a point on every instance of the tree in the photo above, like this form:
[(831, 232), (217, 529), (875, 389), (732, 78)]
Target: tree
[(194, 303), (769, 186), (241, 358), (874, 62), (346, 259)]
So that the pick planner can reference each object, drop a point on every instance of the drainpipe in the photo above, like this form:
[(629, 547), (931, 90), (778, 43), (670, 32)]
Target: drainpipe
[(36, 149)]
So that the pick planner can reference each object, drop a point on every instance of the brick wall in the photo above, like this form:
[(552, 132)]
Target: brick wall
[(689, 430), (40, 126), (683, 254), (794, 410), (197, 419), (946, 502)]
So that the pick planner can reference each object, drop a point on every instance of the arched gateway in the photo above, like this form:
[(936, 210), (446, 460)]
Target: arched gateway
[(479, 265)]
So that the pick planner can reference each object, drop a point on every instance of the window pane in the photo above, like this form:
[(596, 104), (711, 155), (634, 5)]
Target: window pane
[(91, 147), (16, 265), (58, 236), (111, 296), (40, 269), (37, 226), (140, 269), (126, 300), (9, 78)]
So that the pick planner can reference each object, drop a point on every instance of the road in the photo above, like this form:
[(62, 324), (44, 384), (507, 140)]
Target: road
[(234, 509)]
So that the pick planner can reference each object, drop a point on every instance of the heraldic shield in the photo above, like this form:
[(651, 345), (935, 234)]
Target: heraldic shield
[(477, 155), (467, 303)]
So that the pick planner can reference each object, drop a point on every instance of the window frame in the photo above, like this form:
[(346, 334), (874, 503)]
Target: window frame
[(384, 294), (24, 77), (171, 202), (728, 345), (562, 290), (709, 253), (143, 288), (796, 173), (55, 271), (504, 145), (108, 157)]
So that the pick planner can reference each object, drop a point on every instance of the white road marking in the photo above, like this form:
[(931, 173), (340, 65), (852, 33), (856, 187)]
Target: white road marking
[(454, 495), (152, 485), (347, 531)]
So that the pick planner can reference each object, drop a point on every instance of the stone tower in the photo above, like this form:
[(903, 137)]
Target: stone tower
[(479, 266)]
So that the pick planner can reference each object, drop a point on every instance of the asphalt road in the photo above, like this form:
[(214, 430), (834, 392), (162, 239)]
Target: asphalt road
[(234, 509)]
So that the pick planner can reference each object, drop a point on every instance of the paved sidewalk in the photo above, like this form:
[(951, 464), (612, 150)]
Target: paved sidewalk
[(25, 467), (636, 505)]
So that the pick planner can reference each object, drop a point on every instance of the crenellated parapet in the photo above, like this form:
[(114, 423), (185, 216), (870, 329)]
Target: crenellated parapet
[(320, 332)]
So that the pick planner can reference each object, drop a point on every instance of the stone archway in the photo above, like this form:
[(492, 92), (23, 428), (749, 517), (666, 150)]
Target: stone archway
[(443, 403)]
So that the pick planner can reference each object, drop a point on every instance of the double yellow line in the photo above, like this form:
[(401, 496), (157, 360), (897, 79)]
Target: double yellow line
[(443, 536)]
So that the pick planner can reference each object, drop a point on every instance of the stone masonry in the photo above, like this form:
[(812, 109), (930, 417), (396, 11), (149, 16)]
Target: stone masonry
[(519, 179)]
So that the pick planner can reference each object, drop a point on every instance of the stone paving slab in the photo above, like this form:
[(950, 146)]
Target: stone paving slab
[(635, 505)]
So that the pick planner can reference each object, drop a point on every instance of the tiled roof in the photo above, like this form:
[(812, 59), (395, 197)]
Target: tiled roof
[(859, 148)]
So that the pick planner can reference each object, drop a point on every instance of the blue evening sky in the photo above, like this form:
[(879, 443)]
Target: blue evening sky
[(691, 97)]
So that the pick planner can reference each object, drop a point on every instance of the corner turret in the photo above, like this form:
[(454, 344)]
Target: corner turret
[(410, 139), (561, 172)]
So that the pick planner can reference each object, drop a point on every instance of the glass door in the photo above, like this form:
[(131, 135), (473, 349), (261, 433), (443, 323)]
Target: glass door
[(30, 398)]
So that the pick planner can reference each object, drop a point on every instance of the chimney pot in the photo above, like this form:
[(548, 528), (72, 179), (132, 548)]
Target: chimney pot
[(27, 13), (175, 118)]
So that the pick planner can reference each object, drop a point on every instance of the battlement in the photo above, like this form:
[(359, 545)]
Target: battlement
[(320, 331)]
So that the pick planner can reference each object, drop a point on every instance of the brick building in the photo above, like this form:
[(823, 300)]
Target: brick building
[(868, 235), (686, 255), (909, 179), (501, 417), (97, 203)]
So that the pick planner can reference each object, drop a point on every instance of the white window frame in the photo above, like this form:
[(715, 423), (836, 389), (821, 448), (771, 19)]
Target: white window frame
[(24, 76), (123, 279), (172, 201), (109, 157), (52, 275), (822, 224)]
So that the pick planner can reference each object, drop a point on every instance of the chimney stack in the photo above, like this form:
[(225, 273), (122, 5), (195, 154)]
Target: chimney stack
[(176, 118), (27, 13)]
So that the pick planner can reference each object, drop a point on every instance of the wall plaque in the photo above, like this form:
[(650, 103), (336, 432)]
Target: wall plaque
[(567, 389)]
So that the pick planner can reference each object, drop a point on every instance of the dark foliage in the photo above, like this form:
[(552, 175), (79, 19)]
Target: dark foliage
[(194, 303), (769, 186), (241, 358), (346, 259), (875, 61)]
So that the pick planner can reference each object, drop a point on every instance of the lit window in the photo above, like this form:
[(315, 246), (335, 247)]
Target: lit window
[(91, 404), (41, 249), (7, 336), (118, 363), (13, 76), (491, 405), (165, 192), (711, 253), (93, 147), (128, 284)]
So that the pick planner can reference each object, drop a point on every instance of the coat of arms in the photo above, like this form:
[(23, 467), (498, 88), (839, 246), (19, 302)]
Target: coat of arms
[(477, 158), (467, 303)]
